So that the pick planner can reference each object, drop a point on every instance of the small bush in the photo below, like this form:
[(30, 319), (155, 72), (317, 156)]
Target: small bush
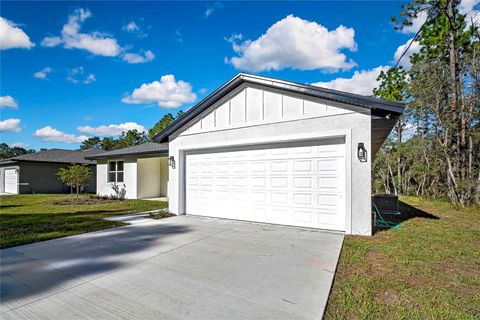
[(120, 192)]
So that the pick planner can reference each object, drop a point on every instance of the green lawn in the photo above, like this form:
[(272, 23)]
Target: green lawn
[(31, 218), (427, 269)]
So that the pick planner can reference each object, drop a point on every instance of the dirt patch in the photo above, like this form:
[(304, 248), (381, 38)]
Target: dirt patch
[(160, 215), (421, 282), (452, 268), (389, 297), (378, 264)]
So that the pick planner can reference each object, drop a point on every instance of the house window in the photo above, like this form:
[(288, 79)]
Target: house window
[(115, 171)]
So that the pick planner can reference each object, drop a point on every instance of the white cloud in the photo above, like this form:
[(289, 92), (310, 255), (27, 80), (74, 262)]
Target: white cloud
[(10, 125), (167, 93), (76, 75), (298, 44), (409, 131), (95, 42), (112, 129), (11, 36), (131, 27), (139, 58), (8, 102), (212, 8), (43, 74), (405, 62), (234, 37), (416, 23), (90, 78), (362, 82), (135, 28), (50, 42), (49, 134), (72, 74), (179, 35), (20, 145), (467, 7)]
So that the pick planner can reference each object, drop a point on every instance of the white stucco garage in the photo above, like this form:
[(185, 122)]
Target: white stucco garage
[(267, 150)]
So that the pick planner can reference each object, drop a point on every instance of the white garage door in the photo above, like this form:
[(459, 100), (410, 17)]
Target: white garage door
[(294, 184), (11, 181)]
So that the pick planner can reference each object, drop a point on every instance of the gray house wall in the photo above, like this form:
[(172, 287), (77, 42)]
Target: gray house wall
[(40, 177)]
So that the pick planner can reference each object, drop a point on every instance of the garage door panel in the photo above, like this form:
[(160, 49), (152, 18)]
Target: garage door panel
[(294, 185), (302, 182), (11, 181), (302, 199)]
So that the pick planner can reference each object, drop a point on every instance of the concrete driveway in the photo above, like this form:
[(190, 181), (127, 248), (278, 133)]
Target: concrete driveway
[(183, 267)]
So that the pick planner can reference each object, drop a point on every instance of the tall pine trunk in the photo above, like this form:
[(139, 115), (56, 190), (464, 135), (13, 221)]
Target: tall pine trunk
[(453, 159)]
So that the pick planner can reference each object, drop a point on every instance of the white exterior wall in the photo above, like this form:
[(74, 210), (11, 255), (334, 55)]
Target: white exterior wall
[(254, 115), (150, 180), (104, 188), (164, 177)]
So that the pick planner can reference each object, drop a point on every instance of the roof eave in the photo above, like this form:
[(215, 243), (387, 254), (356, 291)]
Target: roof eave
[(127, 155), (61, 162)]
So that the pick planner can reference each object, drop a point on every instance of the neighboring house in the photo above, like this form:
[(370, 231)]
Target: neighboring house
[(37, 172), (265, 150), (142, 170)]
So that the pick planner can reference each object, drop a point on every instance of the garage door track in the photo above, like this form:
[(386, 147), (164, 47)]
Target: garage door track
[(178, 268)]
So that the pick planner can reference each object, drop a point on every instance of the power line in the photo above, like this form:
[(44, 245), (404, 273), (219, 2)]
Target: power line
[(413, 39)]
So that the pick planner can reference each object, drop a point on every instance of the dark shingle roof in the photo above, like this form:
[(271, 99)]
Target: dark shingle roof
[(150, 148), (378, 106), (56, 155)]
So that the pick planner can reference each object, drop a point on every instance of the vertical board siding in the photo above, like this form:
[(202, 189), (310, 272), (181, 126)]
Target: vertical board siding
[(272, 103), (253, 106), (237, 109)]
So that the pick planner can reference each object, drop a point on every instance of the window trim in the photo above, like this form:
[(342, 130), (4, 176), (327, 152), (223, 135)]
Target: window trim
[(116, 171)]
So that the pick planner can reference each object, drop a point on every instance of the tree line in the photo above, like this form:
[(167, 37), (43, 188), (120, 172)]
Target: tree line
[(8, 152), (126, 139), (434, 149), (130, 137)]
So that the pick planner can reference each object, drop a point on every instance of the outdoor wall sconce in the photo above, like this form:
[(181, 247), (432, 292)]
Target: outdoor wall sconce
[(362, 152), (171, 162)]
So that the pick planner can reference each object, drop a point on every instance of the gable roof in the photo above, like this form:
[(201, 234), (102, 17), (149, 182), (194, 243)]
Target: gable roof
[(145, 149), (56, 156), (378, 107)]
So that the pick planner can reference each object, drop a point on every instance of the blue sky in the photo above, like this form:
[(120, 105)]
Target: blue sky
[(120, 65)]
